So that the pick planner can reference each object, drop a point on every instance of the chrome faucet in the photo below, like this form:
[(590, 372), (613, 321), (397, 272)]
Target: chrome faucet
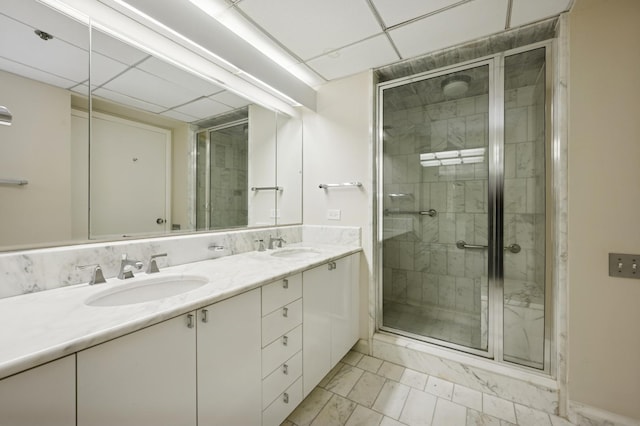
[(97, 277), (152, 267), (125, 267), (276, 242)]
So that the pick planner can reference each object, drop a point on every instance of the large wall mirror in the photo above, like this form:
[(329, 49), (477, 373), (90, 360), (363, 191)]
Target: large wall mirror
[(153, 149)]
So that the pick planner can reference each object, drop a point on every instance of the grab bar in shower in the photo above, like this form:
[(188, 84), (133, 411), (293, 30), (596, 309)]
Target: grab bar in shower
[(14, 182), (338, 185), (513, 248), (430, 212), (267, 188)]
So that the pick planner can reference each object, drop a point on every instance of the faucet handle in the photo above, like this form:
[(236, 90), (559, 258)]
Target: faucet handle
[(97, 277), (152, 267)]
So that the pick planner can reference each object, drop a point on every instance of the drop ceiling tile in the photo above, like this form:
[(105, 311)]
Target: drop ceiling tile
[(462, 23), (230, 99), (150, 88), (370, 53), (391, 14), (179, 116), (35, 74), (19, 44), (115, 49), (179, 77), (527, 11), (38, 16), (127, 100), (203, 108), (104, 69), (310, 28)]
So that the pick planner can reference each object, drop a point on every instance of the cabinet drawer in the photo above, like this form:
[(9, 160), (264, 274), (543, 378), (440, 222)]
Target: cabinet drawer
[(281, 350), (284, 404), (279, 293), (280, 379), (280, 321)]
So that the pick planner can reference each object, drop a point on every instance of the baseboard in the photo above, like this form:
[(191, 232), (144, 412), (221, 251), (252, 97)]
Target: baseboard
[(582, 414)]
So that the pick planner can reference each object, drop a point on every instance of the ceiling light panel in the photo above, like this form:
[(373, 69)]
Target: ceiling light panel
[(317, 26), (371, 53), (391, 14), (462, 23), (527, 11)]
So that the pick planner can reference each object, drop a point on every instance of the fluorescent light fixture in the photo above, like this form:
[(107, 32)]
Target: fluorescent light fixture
[(5, 116), (430, 163), (451, 161), (472, 160), (222, 12), (474, 152), (447, 154), (427, 156)]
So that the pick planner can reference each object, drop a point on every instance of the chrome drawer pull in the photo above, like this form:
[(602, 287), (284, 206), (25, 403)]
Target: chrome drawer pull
[(285, 340), (190, 321), (285, 369), (285, 312), (205, 315), (285, 283), (285, 398)]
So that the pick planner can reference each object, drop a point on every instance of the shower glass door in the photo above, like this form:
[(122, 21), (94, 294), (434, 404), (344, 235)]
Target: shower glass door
[(435, 210)]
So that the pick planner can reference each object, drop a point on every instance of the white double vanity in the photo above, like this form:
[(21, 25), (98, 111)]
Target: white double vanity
[(244, 346)]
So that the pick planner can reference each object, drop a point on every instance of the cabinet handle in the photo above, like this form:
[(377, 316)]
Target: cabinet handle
[(190, 321), (205, 315), (332, 266), (285, 398), (285, 283), (285, 312), (285, 340), (285, 369)]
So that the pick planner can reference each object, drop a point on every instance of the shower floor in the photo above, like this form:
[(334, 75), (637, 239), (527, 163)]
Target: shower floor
[(434, 322)]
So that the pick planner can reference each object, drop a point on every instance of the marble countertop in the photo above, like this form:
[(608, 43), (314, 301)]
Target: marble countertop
[(40, 327)]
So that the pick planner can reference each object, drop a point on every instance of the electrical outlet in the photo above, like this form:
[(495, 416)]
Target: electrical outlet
[(624, 265), (333, 214)]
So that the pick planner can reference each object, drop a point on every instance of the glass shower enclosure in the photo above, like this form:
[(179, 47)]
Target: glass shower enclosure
[(462, 204)]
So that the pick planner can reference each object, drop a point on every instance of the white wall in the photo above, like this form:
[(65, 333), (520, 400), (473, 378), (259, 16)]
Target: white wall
[(604, 204), (36, 148), (262, 165), (337, 148)]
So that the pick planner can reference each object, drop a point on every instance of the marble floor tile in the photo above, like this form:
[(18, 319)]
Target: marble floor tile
[(468, 397), (391, 399), (352, 358), (363, 416), (498, 407), (439, 387), (418, 409), (326, 379), (335, 413), (449, 414), (388, 421), (477, 418), (391, 371), (369, 363), (304, 413), (529, 417), (366, 390), (559, 421), (344, 380), (413, 378)]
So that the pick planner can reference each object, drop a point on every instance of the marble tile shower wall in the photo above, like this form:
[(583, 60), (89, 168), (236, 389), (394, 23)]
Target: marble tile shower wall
[(424, 266), (228, 180)]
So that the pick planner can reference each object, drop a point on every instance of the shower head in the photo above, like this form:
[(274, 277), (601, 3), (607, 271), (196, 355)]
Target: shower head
[(456, 85)]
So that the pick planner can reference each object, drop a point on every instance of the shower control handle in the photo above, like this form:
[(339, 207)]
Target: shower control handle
[(513, 248)]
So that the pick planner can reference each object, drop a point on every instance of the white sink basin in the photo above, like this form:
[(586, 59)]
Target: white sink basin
[(295, 252), (146, 290)]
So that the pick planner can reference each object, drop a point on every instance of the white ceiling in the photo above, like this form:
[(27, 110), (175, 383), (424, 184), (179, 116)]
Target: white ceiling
[(337, 38), (331, 38)]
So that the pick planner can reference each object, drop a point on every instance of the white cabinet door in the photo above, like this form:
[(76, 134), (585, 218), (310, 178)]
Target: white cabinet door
[(45, 395), (344, 314), (330, 316), (229, 373), (146, 378)]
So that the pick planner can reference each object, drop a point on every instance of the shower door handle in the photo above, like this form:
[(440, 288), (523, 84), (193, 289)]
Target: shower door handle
[(513, 248)]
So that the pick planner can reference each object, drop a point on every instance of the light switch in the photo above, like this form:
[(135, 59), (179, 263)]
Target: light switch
[(624, 265)]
